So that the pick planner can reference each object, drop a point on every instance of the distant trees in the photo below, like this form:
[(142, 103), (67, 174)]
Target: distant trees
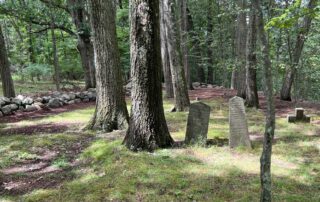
[(111, 110), (7, 83), (147, 127)]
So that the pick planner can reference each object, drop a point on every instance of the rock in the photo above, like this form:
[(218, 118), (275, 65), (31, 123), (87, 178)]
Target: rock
[(80, 95), (203, 86), (5, 100), (198, 122), (71, 102), (66, 97), (86, 100), (31, 108), (46, 99), (196, 84), (27, 101), (239, 134), (38, 100), (91, 96), (6, 110), (13, 107), (2, 103), (16, 101), (299, 117), (72, 96), (77, 100), (38, 105), (56, 94), (1, 114), (54, 103), (93, 90)]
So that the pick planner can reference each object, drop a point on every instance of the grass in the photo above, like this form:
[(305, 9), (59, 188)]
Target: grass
[(112, 173)]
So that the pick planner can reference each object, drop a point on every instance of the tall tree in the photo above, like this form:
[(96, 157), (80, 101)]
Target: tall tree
[(239, 74), (55, 57), (165, 55), (111, 111), (7, 82), (252, 99), (209, 42), (85, 46), (147, 128), (265, 160), (172, 27), (303, 30)]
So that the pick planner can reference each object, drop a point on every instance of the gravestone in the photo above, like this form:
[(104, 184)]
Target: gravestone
[(198, 122), (299, 117), (239, 135)]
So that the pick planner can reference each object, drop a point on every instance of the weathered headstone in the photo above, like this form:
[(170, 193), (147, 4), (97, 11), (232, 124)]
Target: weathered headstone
[(239, 135), (299, 117), (198, 122)]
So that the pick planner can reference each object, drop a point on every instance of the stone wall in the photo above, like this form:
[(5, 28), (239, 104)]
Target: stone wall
[(55, 100)]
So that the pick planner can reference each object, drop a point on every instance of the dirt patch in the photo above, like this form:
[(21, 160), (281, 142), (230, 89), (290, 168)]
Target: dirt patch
[(36, 129)]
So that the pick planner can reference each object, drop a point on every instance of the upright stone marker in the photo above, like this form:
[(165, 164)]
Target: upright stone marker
[(299, 117), (198, 122), (239, 135)]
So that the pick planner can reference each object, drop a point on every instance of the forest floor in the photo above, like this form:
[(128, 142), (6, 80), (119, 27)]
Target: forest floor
[(44, 156)]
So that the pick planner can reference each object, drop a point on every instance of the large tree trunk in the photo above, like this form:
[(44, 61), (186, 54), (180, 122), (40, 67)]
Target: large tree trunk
[(147, 129), (111, 111), (173, 41), (55, 59), (85, 46), (265, 160), (7, 82), (252, 99), (239, 74), (304, 28), (165, 55), (209, 42)]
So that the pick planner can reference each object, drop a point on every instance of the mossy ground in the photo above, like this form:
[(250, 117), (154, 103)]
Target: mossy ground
[(110, 172)]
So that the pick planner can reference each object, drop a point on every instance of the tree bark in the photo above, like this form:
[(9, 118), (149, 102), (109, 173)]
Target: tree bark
[(209, 42), (174, 48), (7, 82), (304, 28), (147, 129), (239, 74), (265, 160), (165, 55), (55, 59), (252, 99), (111, 111), (85, 46)]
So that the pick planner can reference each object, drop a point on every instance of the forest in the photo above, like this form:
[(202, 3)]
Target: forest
[(159, 100)]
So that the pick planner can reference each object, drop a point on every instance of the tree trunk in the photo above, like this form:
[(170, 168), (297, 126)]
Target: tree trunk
[(239, 74), (304, 28), (252, 99), (165, 55), (184, 41), (55, 59), (173, 41), (197, 50), (265, 160), (7, 82), (209, 42), (147, 129), (85, 46), (111, 111)]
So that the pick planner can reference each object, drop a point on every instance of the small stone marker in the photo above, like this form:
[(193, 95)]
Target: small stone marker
[(299, 117), (198, 122), (239, 134)]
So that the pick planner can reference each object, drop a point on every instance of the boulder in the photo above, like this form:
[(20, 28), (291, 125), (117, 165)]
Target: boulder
[(6, 110), (1, 114), (46, 99), (72, 96), (13, 107), (27, 101), (38, 105), (54, 103), (71, 102), (93, 90), (31, 108), (77, 100), (66, 97), (5, 100), (16, 101), (38, 99), (56, 94), (196, 84)]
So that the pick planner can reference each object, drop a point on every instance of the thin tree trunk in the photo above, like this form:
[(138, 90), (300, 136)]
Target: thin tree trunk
[(265, 160), (209, 42), (55, 59), (147, 129), (252, 99), (165, 55), (7, 82), (239, 75), (85, 46), (111, 110), (173, 41), (304, 28)]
